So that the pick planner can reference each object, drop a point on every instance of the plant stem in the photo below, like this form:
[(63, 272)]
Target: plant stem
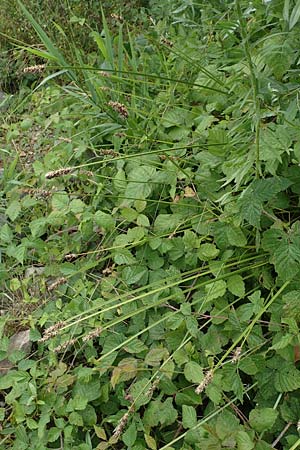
[(254, 84)]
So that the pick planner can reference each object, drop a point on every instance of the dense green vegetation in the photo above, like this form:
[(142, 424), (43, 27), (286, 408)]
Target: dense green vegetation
[(150, 232)]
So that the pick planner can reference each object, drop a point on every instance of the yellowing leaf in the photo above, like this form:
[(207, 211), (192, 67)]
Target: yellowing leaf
[(100, 432), (189, 192), (155, 355), (150, 441), (125, 370)]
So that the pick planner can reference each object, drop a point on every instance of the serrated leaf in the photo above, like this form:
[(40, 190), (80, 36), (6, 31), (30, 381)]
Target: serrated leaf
[(160, 412), (126, 370), (291, 306), (123, 256), (38, 226), (215, 290), (287, 379), (166, 223), (139, 185), (75, 419), (13, 210), (119, 181), (259, 191), (104, 220), (77, 206), (250, 209), (262, 419), (155, 355), (133, 274), (285, 251), (244, 441), (173, 117), (226, 425), (139, 392), (129, 436), (235, 236), (282, 341), (189, 416), (6, 234), (193, 372), (17, 252), (60, 201), (236, 285), (207, 252)]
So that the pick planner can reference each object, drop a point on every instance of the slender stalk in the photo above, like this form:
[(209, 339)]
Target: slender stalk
[(254, 84)]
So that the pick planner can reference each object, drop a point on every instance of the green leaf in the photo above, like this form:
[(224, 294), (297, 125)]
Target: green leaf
[(17, 252), (295, 15), (133, 274), (135, 234), (53, 434), (281, 342), (38, 227), (155, 355), (89, 391), (173, 117), (89, 416), (284, 249), (235, 236), (193, 372), (287, 379), (129, 437), (104, 220), (75, 419), (77, 206), (139, 184), (236, 285), (262, 419), (6, 234), (291, 302), (252, 199), (60, 201), (142, 221), (123, 256), (207, 252), (158, 412), (166, 223), (227, 424), (244, 441), (139, 392), (13, 210), (189, 416), (215, 290)]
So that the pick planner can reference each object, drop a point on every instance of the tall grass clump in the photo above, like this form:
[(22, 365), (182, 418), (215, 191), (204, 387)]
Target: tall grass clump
[(150, 235)]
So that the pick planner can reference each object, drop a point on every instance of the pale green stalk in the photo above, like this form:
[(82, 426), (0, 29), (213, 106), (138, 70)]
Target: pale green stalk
[(254, 84)]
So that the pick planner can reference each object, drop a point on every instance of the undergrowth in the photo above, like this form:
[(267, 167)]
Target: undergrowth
[(150, 236)]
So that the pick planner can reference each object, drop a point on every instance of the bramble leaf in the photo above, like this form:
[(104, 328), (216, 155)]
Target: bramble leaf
[(262, 419), (284, 249)]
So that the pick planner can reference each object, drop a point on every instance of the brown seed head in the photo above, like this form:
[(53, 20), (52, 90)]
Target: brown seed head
[(92, 335), (207, 379), (119, 108), (58, 172), (56, 283), (34, 69)]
